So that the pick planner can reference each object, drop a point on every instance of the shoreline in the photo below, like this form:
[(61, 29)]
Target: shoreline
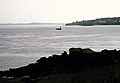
[(86, 51), (77, 60)]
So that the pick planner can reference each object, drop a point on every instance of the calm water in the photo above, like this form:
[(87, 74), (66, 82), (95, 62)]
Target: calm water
[(24, 44)]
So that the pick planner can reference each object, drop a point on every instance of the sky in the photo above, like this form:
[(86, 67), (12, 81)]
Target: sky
[(56, 11)]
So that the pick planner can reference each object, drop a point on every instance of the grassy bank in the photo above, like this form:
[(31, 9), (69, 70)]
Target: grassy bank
[(102, 74)]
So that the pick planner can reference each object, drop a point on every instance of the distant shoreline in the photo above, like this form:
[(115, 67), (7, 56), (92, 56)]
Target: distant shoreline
[(92, 25), (32, 23), (99, 21)]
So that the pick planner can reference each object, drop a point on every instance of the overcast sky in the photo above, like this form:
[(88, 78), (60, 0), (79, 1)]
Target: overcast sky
[(57, 10)]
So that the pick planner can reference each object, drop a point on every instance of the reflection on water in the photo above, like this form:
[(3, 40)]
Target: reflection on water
[(22, 44)]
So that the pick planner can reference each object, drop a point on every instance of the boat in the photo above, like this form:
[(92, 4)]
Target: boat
[(59, 28)]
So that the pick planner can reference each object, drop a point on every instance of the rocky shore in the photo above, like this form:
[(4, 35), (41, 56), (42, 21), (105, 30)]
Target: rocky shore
[(77, 62)]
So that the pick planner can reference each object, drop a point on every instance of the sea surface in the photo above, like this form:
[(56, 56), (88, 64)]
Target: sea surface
[(24, 44)]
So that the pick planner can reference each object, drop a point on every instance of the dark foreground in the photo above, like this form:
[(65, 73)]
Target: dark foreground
[(79, 66)]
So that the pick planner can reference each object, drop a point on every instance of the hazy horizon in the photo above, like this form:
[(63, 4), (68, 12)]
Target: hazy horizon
[(48, 22), (56, 11)]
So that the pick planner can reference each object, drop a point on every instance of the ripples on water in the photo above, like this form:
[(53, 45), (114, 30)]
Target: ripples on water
[(22, 44)]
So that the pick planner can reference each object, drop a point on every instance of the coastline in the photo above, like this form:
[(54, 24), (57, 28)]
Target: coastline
[(77, 60)]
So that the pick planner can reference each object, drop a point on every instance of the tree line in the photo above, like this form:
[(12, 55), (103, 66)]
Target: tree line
[(99, 21)]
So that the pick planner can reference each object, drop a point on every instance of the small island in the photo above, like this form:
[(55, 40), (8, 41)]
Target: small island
[(99, 21)]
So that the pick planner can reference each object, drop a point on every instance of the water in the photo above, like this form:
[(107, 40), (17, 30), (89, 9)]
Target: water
[(24, 44)]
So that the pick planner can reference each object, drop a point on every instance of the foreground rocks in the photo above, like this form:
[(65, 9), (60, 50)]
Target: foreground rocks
[(77, 59)]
